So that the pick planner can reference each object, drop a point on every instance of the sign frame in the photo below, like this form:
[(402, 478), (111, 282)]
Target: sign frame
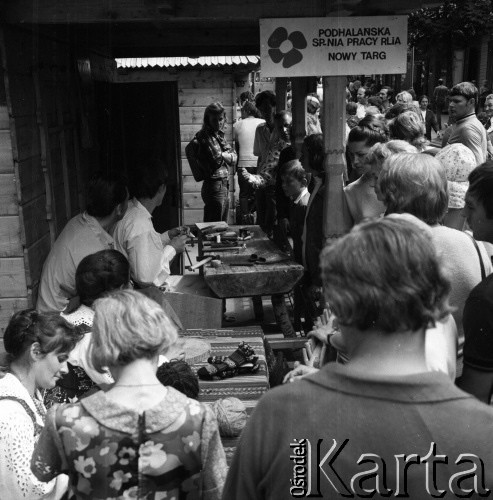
[(333, 46)]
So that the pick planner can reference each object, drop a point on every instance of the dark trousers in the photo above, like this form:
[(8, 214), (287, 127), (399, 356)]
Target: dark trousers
[(216, 200), (439, 105), (265, 198), (247, 193)]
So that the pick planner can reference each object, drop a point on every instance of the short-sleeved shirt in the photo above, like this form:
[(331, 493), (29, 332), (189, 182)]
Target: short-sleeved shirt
[(244, 135), (82, 236), (470, 132), (478, 326)]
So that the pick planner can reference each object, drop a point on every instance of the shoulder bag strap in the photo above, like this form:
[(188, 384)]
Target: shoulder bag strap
[(37, 427), (481, 263)]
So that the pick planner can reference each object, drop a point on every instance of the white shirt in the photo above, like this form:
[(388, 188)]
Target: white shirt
[(360, 110), (147, 251), (244, 135), (80, 355), (423, 114), (303, 192), (82, 236), (17, 442)]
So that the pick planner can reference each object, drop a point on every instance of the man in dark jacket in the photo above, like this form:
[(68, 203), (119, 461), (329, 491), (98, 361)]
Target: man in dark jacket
[(428, 116)]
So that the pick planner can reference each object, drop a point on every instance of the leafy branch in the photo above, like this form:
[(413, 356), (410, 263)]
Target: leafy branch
[(452, 22)]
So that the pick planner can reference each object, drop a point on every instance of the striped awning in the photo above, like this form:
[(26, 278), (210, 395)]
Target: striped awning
[(177, 62)]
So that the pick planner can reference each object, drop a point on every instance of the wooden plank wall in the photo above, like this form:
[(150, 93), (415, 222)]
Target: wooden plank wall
[(196, 90), (13, 287), (44, 159)]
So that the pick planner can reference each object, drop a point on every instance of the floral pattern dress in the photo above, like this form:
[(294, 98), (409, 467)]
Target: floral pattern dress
[(171, 451)]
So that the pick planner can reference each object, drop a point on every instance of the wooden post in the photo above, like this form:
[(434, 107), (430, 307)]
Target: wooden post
[(298, 109), (281, 89), (63, 150), (336, 215)]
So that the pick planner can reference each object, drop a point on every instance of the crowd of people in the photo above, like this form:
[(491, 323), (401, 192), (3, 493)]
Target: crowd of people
[(82, 406)]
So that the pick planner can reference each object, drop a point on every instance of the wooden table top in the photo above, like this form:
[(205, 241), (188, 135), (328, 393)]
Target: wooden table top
[(237, 277)]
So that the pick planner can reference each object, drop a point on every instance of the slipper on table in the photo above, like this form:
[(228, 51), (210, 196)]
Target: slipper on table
[(241, 361)]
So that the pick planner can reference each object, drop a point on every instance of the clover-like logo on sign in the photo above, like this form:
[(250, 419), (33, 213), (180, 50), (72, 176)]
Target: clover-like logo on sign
[(286, 48)]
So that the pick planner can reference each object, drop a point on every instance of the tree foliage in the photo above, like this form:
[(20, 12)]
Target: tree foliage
[(453, 22)]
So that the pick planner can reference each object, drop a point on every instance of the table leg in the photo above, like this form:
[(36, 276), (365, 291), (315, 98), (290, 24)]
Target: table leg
[(258, 307), (282, 316)]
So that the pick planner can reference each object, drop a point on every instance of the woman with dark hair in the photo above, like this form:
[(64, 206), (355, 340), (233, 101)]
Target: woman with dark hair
[(360, 194), (96, 275), (38, 346), (216, 155)]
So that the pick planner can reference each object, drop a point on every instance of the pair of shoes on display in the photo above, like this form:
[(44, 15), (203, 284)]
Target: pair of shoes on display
[(243, 361)]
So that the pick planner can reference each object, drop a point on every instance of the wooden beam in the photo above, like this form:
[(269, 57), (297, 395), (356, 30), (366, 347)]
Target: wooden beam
[(281, 90), (336, 215), (298, 109), (132, 11)]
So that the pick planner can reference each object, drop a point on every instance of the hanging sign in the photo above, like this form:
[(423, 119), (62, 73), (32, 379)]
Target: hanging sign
[(333, 46)]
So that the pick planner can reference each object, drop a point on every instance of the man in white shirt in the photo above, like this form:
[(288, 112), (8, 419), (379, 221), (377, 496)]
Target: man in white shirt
[(148, 252), (84, 234), (244, 135)]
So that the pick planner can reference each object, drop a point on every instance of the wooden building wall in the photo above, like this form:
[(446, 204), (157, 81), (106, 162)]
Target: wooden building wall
[(196, 90), (13, 284), (40, 160)]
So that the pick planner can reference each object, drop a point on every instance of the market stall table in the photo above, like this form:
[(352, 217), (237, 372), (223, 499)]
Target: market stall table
[(247, 388), (240, 275)]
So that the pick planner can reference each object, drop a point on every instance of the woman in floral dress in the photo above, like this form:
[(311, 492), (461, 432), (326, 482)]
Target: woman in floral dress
[(139, 439)]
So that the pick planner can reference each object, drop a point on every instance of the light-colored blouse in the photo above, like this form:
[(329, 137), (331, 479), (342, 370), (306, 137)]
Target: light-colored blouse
[(21, 421)]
